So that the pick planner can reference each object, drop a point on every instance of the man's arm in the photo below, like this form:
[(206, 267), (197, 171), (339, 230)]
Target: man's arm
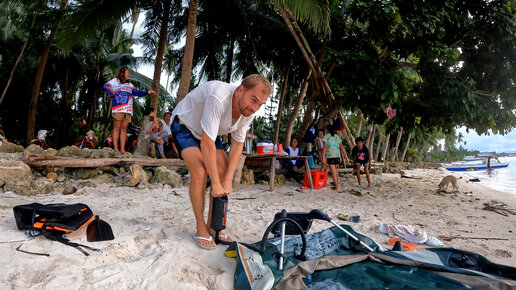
[(209, 156), (234, 156)]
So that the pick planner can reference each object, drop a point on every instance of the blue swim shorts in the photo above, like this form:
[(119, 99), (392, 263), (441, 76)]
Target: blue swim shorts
[(183, 137)]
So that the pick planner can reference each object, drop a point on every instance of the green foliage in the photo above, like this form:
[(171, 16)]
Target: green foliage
[(182, 171), (451, 154)]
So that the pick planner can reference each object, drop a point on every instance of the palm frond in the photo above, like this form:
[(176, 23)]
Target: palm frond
[(315, 13), (89, 17)]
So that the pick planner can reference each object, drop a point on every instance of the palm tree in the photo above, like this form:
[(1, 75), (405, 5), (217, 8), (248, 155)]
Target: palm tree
[(186, 70), (33, 105)]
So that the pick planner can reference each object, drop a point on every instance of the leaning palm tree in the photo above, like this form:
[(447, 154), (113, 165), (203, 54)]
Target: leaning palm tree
[(33, 105)]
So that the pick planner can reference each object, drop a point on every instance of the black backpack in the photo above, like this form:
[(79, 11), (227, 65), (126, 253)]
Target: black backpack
[(55, 220)]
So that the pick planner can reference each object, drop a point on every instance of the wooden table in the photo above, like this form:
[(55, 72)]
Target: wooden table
[(273, 157)]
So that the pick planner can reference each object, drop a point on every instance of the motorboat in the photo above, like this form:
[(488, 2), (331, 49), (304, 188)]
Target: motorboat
[(477, 163)]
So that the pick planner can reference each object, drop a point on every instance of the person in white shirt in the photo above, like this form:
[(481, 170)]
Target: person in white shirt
[(206, 113), (166, 122)]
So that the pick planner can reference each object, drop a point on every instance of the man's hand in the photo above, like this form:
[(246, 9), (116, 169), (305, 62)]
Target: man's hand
[(228, 186), (151, 92), (217, 190), (295, 168)]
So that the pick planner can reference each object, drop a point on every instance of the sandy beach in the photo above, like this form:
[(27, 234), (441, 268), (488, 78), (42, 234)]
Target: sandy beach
[(153, 227)]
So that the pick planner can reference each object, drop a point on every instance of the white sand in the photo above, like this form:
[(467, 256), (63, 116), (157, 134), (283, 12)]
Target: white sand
[(153, 226)]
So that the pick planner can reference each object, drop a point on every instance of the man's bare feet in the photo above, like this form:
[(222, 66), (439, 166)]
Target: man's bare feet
[(163, 156), (124, 152)]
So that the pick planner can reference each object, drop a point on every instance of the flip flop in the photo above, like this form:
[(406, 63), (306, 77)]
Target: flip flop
[(359, 186), (209, 248), (224, 237)]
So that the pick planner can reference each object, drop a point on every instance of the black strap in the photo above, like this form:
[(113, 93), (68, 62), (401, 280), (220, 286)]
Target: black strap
[(77, 246), (59, 238)]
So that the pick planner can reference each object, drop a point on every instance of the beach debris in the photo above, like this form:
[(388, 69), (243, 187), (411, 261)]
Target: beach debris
[(499, 207), (356, 192), (434, 242), (10, 194), (450, 238), (343, 217), (69, 190), (410, 177), (52, 176), (32, 253), (474, 180)]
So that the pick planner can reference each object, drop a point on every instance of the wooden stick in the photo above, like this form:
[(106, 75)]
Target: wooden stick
[(32, 253), (449, 238)]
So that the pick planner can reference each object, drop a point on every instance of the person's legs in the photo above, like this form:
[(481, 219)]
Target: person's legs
[(123, 135), (222, 166), (335, 175), (366, 169), (324, 167), (116, 133), (193, 160), (357, 172)]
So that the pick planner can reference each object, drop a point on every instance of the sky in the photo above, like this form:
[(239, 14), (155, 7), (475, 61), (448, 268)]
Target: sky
[(483, 143)]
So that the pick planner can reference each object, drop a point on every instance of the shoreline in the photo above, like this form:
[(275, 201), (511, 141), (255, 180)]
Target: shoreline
[(153, 225)]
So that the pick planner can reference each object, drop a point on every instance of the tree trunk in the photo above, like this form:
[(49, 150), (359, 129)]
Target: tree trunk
[(371, 140), (378, 146), (406, 148), (144, 136), (186, 70), (386, 147), (351, 140), (301, 41), (33, 105), (359, 125), (18, 60), (394, 156), (280, 106), (307, 118), (229, 61), (297, 107)]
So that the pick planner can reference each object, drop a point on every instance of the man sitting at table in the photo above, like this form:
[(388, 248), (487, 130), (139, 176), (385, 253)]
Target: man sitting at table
[(293, 165)]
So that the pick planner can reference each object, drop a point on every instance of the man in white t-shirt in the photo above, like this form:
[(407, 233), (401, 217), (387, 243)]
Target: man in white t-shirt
[(206, 113)]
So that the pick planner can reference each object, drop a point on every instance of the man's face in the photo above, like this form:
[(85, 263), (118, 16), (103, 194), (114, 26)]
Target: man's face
[(293, 143), (360, 144), (252, 99), (167, 118)]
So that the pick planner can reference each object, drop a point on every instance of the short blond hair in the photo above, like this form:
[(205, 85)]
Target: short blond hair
[(251, 81)]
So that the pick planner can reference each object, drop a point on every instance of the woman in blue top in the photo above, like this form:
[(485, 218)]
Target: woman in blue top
[(122, 92), (331, 154)]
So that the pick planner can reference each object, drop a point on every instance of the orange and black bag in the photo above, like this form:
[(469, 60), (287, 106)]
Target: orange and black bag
[(54, 221)]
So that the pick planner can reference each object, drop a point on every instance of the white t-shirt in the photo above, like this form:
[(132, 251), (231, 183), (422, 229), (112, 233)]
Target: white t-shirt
[(166, 127), (208, 108)]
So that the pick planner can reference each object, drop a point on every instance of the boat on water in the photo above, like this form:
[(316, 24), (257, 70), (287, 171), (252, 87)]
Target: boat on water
[(477, 163)]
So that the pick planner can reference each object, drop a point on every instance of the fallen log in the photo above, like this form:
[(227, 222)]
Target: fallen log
[(56, 161)]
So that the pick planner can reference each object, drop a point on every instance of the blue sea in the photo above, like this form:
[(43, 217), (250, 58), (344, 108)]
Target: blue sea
[(503, 179)]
